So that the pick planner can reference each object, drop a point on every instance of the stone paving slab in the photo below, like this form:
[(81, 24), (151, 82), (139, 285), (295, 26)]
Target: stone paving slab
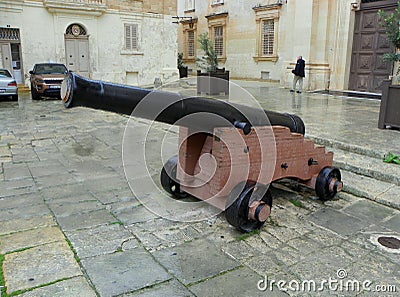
[(241, 280), (376, 268), (55, 180), (393, 223), (123, 272), (337, 221), (73, 199), (16, 171), (24, 213), (370, 213), (183, 264), (105, 239), (7, 192), (45, 168), (64, 191), (132, 214), (30, 238), (169, 288), (9, 185), (86, 220), (65, 209), (102, 184), (322, 263), (20, 201), (22, 224), (112, 196), (77, 286), (39, 265)]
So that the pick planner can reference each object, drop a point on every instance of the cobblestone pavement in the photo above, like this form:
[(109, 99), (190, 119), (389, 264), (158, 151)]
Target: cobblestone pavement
[(70, 225)]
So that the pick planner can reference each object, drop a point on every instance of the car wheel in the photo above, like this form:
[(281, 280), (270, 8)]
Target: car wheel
[(34, 94), (14, 97)]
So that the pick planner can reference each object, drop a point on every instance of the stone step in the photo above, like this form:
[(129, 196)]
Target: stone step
[(23, 88), (360, 160), (367, 166), (366, 187), (364, 173), (366, 151)]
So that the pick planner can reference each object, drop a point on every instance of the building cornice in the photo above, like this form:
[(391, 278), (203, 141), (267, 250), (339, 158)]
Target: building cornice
[(88, 8), (216, 15), (267, 7), (11, 5)]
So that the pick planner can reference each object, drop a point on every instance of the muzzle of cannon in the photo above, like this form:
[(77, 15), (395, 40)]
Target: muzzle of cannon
[(228, 159)]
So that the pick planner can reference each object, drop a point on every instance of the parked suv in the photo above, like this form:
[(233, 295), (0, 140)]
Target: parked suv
[(46, 79)]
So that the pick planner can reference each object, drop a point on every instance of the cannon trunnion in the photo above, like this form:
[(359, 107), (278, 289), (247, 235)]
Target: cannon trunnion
[(228, 161)]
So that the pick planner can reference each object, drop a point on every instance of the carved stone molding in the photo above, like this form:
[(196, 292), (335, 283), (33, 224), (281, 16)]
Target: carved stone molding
[(89, 7)]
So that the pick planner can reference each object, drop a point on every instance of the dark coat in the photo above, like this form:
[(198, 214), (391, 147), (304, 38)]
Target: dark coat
[(299, 69)]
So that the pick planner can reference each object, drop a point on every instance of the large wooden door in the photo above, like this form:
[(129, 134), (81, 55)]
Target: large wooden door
[(369, 44), (77, 55)]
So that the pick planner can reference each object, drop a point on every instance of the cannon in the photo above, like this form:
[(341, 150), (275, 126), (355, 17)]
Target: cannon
[(228, 153)]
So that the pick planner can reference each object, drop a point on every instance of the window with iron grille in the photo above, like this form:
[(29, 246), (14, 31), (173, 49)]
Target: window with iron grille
[(9, 34), (267, 37), (131, 37), (190, 44), (219, 40)]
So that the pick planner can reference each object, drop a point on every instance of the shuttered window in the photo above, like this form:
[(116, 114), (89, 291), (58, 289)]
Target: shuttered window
[(219, 40), (267, 37), (189, 5), (131, 37), (190, 44)]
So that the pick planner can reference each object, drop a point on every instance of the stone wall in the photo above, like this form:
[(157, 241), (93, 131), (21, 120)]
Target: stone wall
[(43, 24), (319, 30)]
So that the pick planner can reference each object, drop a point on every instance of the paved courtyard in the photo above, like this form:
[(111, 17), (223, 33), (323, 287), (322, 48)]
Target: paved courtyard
[(70, 224)]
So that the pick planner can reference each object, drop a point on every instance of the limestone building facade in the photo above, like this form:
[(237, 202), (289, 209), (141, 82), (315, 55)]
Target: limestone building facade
[(340, 40), (123, 41)]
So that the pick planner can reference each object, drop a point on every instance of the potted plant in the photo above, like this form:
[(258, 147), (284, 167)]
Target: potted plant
[(215, 80), (183, 70), (389, 114)]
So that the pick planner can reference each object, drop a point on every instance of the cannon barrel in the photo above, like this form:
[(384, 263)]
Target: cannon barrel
[(79, 91)]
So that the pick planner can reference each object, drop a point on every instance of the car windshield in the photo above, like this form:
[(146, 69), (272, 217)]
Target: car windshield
[(5, 73), (50, 69)]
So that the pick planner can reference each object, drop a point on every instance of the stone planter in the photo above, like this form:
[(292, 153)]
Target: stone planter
[(213, 82), (389, 114)]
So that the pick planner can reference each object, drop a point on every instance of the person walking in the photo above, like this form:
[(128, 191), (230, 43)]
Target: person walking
[(299, 74)]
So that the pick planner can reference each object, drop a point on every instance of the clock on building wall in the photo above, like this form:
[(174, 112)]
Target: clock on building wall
[(76, 30)]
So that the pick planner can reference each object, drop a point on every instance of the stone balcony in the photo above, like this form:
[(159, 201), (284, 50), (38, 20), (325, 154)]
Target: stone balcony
[(92, 7)]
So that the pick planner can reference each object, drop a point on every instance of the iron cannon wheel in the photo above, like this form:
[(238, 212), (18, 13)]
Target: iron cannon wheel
[(168, 178), (238, 205), (328, 183)]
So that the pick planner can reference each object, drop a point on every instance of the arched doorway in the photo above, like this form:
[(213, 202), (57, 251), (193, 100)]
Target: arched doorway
[(369, 44), (77, 49)]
